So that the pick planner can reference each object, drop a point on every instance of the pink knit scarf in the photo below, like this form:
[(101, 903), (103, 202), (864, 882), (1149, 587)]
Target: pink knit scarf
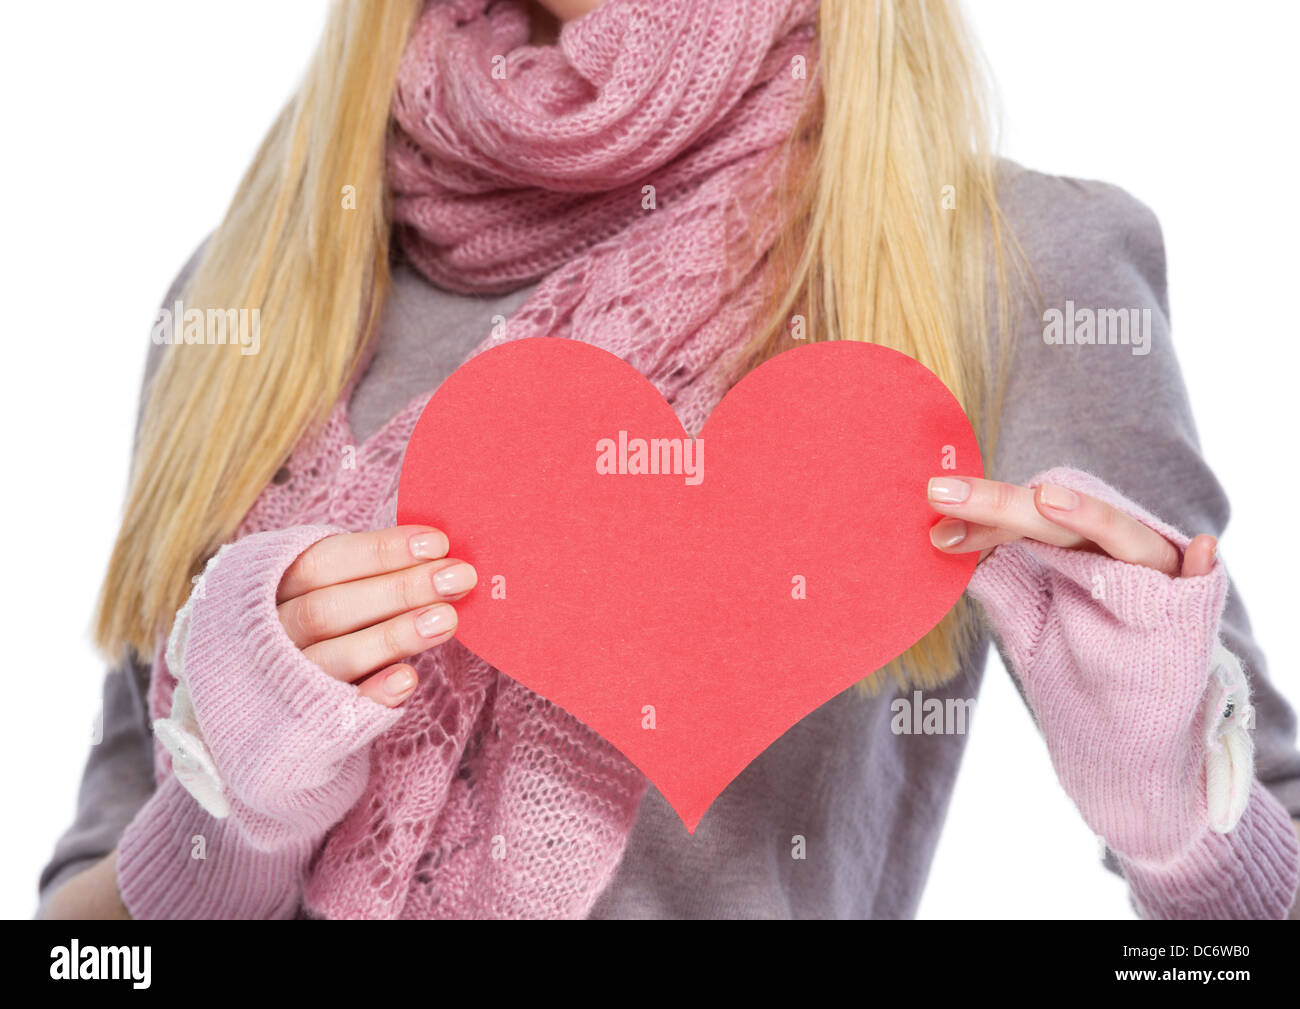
[(484, 799), (623, 164)]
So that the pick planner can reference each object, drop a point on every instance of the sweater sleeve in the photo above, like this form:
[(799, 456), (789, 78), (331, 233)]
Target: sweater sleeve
[(270, 753), (1121, 412), (117, 780), (1146, 717)]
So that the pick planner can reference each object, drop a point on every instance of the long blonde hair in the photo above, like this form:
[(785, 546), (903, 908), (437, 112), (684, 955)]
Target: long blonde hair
[(876, 248), (893, 233)]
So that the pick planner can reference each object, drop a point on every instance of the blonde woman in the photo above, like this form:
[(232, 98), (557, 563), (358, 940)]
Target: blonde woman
[(666, 179)]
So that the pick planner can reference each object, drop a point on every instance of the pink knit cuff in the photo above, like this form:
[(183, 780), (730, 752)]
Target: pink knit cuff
[(175, 861), (290, 742), (1251, 872), (1144, 713), (258, 732), (1009, 584)]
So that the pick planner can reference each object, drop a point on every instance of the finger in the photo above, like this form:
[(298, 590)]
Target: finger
[(352, 656), (1198, 558), (391, 686), (1004, 506), (955, 536), (1121, 536), (348, 556), (341, 609)]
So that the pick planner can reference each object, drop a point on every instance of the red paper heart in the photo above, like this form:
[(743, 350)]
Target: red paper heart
[(630, 594)]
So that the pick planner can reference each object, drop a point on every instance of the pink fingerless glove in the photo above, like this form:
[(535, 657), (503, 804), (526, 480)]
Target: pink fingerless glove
[(268, 752), (1123, 670)]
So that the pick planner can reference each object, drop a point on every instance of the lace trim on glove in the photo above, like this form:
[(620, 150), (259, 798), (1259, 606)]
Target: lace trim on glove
[(1230, 750), (192, 761)]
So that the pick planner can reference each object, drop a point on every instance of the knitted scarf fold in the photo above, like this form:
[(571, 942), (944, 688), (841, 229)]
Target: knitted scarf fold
[(627, 165), (485, 799)]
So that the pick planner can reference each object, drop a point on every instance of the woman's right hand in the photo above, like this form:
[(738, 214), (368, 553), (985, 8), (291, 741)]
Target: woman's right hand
[(356, 603)]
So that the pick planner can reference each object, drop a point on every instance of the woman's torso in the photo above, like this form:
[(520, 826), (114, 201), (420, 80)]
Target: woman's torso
[(841, 816)]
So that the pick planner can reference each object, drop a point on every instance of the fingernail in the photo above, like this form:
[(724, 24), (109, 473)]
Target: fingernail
[(399, 682), (947, 490), (947, 533), (1057, 497), (455, 579), (429, 546), (436, 620)]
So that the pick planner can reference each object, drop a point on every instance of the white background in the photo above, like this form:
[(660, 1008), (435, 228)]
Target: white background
[(127, 126)]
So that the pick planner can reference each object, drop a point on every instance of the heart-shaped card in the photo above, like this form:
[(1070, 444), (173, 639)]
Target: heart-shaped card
[(690, 600)]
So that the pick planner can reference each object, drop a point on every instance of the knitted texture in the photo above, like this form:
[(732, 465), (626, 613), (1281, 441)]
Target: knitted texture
[(499, 180), (291, 746), (478, 798), (1247, 874), (1115, 662), (483, 799), (543, 171)]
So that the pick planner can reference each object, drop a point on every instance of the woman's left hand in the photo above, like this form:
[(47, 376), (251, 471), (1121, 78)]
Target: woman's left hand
[(981, 514), (1109, 618)]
